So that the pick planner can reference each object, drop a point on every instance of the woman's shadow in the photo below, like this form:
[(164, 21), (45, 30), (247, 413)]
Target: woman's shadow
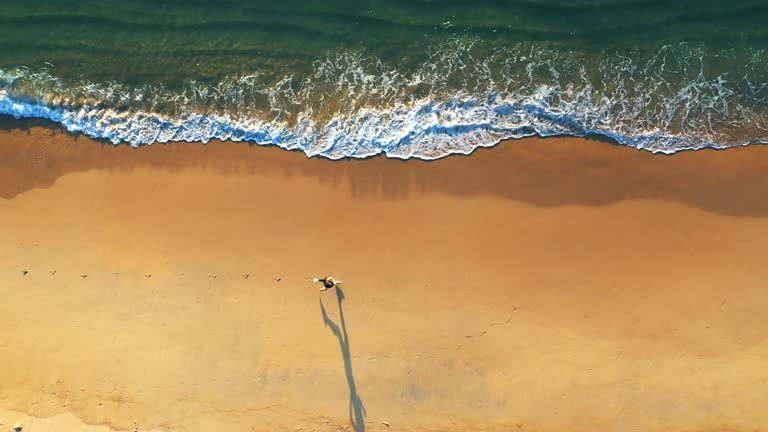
[(356, 408)]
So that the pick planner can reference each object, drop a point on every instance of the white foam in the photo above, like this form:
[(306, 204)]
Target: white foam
[(353, 106)]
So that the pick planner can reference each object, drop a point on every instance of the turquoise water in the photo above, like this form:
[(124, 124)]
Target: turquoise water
[(404, 78)]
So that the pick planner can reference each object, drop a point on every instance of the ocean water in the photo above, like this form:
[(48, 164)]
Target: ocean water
[(404, 78)]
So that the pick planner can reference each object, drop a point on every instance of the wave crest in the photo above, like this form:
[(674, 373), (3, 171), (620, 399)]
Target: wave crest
[(463, 96)]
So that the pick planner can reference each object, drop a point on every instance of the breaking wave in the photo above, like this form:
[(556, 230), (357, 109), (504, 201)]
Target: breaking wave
[(464, 95)]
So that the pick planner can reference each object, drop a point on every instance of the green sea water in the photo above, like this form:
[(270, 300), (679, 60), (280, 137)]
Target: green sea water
[(407, 78)]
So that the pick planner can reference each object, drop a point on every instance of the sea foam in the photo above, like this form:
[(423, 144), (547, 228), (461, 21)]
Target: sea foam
[(350, 105)]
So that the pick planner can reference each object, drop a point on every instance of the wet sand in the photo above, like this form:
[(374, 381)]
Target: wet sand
[(548, 285)]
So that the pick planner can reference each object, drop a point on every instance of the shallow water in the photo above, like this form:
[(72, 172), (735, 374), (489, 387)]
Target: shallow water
[(405, 78)]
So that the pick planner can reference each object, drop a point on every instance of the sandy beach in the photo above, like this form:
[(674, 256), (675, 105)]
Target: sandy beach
[(541, 285)]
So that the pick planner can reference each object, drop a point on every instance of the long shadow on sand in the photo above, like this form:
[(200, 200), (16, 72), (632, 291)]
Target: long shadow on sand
[(356, 408)]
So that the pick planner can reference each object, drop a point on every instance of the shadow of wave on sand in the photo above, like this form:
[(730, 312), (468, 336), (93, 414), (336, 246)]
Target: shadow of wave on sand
[(541, 172)]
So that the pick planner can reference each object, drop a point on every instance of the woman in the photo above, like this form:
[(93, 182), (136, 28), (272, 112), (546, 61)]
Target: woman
[(328, 282)]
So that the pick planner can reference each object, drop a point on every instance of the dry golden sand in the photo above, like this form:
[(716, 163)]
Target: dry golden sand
[(547, 285)]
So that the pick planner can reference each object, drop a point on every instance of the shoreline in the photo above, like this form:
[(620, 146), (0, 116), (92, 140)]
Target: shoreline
[(10, 122), (704, 178), (543, 284)]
